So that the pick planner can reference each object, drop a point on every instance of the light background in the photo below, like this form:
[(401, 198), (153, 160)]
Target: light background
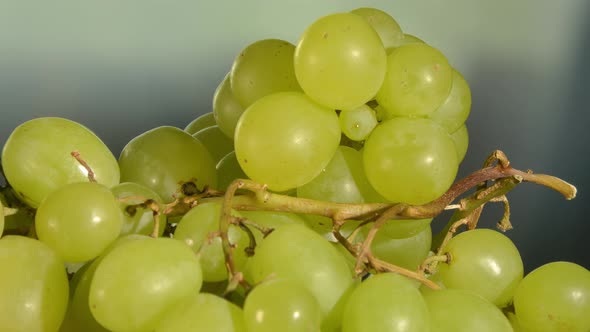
[(123, 67)]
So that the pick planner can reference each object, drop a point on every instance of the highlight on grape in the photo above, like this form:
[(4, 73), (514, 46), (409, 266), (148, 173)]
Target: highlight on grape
[(302, 202)]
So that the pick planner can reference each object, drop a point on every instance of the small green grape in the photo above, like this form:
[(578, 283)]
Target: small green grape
[(216, 142), (226, 108), (388, 29), (202, 121)]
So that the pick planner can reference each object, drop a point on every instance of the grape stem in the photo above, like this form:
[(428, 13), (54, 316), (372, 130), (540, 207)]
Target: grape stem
[(497, 171), (90, 173), (9, 211)]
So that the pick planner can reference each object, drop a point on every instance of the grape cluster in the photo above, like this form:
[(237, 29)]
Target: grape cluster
[(356, 115)]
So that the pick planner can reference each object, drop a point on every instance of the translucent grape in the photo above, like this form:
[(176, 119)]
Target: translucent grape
[(163, 157), (36, 158), (457, 310), (405, 252), (453, 112), (33, 286), (403, 228), (228, 170), (358, 123), (485, 262), (284, 140), (340, 61), (388, 29), (263, 68), (79, 220), (386, 302), (204, 312), (281, 305), (226, 108), (216, 142), (202, 121), (418, 81), (461, 139), (80, 318), (343, 180), (554, 297), (195, 229), (410, 160), (137, 282), (297, 253), (138, 219)]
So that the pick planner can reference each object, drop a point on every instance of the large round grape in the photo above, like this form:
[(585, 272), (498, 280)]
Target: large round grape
[(418, 81), (386, 302), (36, 158), (412, 161), (79, 220), (340, 61), (297, 253), (163, 157), (281, 305), (457, 310), (137, 282), (554, 297), (405, 252), (33, 286), (285, 139), (453, 112), (485, 262), (204, 312), (262, 68)]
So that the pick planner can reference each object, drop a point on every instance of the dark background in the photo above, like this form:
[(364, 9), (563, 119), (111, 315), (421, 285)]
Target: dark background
[(123, 67)]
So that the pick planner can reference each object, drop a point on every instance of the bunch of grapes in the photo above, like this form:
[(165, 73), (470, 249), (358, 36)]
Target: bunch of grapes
[(302, 202)]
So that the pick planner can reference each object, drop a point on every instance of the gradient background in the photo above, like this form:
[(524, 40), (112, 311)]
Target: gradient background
[(123, 67)]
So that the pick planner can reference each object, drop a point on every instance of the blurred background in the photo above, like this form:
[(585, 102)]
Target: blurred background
[(123, 67)]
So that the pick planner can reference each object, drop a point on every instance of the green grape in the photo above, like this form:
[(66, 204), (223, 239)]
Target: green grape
[(554, 297), (461, 139), (281, 305), (412, 161), (284, 140), (33, 286), (163, 157), (403, 228), (297, 253), (406, 252), (195, 229), (388, 29), (343, 180), (340, 61), (80, 318), (453, 112), (458, 310), (138, 219), (36, 158), (138, 282), (263, 68), (228, 170), (386, 302), (485, 262), (411, 39), (358, 123), (216, 142), (79, 220), (418, 80), (201, 122), (226, 108), (204, 312), (270, 219)]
